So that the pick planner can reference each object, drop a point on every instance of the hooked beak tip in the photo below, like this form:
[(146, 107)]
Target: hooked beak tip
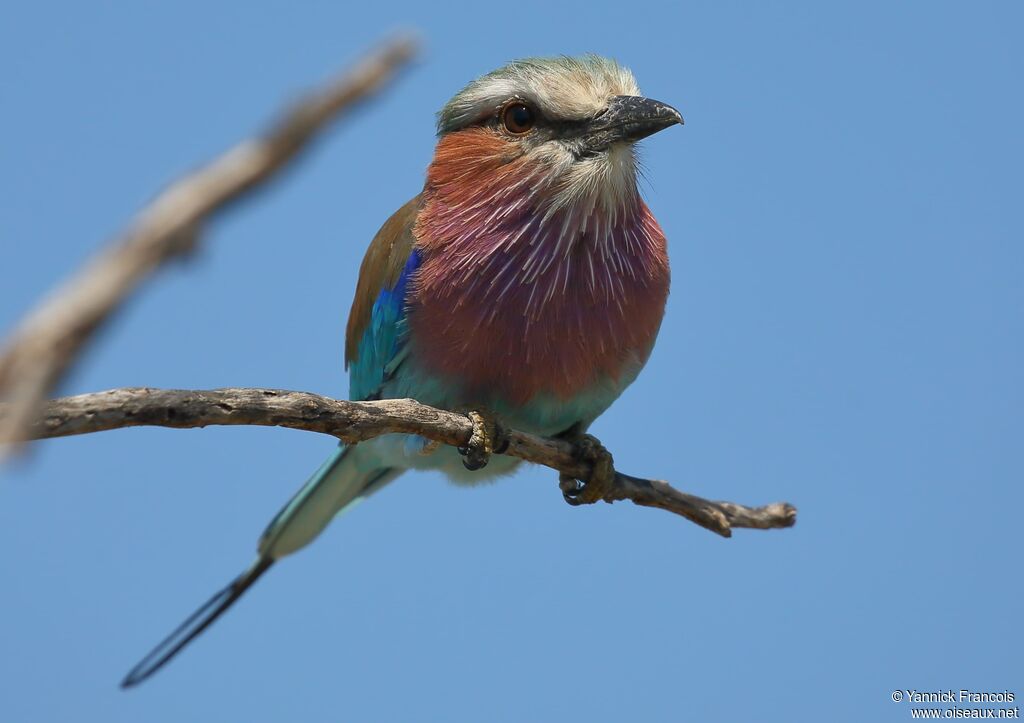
[(640, 117), (627, 118)]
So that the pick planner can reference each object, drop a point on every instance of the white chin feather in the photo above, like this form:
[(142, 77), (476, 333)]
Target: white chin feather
[(605, 180)]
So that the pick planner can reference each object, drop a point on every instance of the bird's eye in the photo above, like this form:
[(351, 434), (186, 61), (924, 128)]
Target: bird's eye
[(518, 118)]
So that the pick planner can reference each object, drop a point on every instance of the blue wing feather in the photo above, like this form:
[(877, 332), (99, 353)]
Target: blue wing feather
[(382, 344)]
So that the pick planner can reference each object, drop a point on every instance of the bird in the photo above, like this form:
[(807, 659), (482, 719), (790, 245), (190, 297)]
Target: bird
[(526, 283)]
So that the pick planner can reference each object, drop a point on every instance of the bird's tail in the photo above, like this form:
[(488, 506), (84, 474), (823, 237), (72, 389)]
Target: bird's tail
[(342, 480), (196, 623)]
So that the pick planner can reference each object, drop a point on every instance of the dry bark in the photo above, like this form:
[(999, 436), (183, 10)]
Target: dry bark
[(358, 421)]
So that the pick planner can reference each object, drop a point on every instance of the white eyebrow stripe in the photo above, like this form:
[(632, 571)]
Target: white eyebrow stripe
[(561, 88)]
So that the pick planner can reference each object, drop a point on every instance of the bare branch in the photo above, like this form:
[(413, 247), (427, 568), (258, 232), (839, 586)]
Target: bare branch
[(357, 421), (39, 353)]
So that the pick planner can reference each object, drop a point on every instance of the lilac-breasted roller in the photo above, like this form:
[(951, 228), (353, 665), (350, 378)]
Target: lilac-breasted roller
[(527, 279)]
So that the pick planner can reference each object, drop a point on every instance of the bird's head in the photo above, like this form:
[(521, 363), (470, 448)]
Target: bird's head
[(564, 126)]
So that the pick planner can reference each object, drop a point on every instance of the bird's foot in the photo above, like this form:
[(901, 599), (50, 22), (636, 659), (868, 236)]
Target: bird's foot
[(489, 437), (601, 479)]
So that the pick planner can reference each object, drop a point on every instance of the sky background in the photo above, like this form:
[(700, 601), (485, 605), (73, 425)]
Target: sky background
[(843, 210)]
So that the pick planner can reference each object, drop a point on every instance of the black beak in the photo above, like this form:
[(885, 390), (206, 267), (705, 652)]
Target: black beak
[(628, 118)]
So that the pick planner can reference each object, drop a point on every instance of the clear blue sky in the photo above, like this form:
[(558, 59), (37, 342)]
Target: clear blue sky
[(843, 210)]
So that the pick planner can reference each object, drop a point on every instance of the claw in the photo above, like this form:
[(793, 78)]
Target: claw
[(489, 437), (599, 483), (571, 487)]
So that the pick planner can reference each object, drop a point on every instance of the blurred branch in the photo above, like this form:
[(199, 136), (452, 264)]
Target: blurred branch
[(39, 353), (357, 421)]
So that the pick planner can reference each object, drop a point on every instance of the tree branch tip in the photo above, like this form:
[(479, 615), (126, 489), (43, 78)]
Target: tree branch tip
[(45, 345)]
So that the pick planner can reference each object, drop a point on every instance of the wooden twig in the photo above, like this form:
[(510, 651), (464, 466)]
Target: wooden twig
[(357, 421), (39, 353)]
